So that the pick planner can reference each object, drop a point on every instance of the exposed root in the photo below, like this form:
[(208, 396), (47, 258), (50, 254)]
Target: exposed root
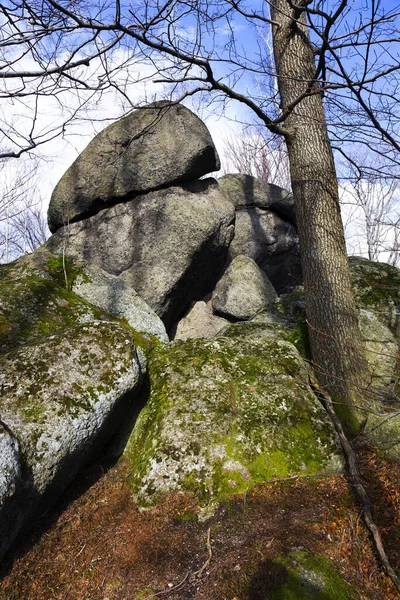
[(360, 491)]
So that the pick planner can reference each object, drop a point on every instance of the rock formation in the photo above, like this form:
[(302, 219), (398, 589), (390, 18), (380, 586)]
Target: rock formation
[(143, 248), (137, 154), (170, 245)]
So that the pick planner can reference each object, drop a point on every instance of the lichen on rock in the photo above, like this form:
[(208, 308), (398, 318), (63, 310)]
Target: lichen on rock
[(225, 414), (305, 576), (61, 399)]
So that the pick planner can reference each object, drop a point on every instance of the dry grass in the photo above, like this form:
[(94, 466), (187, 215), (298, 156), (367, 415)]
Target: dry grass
[(100, 545)]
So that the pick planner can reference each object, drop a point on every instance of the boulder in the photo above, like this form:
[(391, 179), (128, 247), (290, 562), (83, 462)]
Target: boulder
[(153, 147), (377, 287), (227, 413), (199, 322), (242, 291), (271, 242), (302, 575), (62, 398), (101, 289), (33, 306), (170, 245), (248, 191)]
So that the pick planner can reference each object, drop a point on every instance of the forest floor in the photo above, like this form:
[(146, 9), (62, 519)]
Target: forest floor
[(98, 545)]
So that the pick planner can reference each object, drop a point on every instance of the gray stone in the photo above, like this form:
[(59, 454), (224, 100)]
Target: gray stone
[(10, 487), (62, 398), (153, 147), (242, 291), (200, 322), (271, 242), (381, 351), (119, 299), (169, 245), (245, 190), (377, 287), (101, 289), (383, 431), (225, 414)]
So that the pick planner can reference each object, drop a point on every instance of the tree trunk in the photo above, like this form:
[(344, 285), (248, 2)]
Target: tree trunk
[(335, 339)]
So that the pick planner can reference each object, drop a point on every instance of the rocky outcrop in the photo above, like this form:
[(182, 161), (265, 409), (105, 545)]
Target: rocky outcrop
[(156, 146), (169, 245), (242, 291), (230, 404), (97, 287), (62, 399), (226, 413)]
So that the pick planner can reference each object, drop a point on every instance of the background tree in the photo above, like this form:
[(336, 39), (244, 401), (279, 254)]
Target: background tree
[(23, 227), (371, 204), (257, 154)]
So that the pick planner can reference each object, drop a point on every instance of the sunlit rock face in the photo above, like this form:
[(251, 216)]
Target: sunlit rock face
[(153, 147)]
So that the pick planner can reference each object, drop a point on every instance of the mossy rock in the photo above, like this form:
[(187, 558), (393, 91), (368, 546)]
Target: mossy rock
[(106, 292), (226, 414), (377, 287), (61, 400), (305, 576), (33, 305)]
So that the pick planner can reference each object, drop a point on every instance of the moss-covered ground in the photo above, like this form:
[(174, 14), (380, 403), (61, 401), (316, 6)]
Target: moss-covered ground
[(99, 544)]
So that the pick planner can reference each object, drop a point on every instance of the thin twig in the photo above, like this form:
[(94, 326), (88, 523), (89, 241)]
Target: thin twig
[(199, 573), (168, 590)]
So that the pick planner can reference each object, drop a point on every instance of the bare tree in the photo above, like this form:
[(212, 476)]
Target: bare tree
[(23, 227), (371, 205), (257, 154)]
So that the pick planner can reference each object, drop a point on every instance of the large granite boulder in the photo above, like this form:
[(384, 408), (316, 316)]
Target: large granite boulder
[(226, 413), (61, 399), (242, 291), (170, 245), (97, 287), (248, 191), (377, 288), (153, 147)]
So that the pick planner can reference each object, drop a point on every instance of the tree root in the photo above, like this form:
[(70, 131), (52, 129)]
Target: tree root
[(360, 491)]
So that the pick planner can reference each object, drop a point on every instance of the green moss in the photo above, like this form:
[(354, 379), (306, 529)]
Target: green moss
[(64, 270), (303, 576), (300, 339), (33, 307), (226, 414)]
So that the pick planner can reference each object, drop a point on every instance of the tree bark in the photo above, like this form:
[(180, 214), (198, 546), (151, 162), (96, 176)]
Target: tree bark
[(335, 339)]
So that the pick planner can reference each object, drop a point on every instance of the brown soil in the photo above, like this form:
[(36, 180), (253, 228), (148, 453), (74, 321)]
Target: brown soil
[(100, 546)]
